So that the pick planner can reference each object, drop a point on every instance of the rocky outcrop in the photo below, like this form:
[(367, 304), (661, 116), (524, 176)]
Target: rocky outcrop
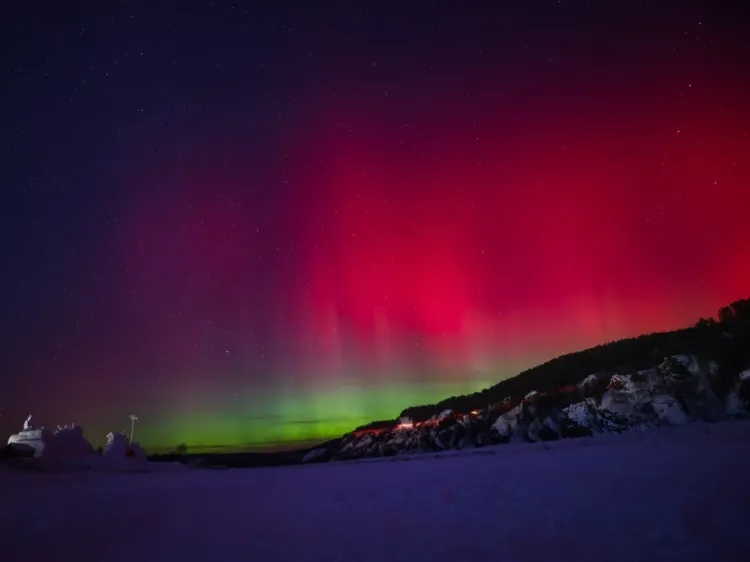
[(676, 391), (690, 384), (737, 401)]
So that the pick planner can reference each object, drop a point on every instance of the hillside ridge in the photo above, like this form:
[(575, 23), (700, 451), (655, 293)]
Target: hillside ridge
[(695, 373)]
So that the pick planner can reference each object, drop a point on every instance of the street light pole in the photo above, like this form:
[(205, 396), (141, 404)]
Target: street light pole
[(133, 417)]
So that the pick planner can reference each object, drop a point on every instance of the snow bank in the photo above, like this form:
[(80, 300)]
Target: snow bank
[(668, 410), (66, 449), (678, 493), (66, 443), (71, 442), (119, 447)]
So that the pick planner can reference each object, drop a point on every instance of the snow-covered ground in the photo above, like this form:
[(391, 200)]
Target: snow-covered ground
[(676, 493)]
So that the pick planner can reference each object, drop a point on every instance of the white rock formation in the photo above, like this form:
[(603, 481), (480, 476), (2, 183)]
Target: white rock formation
[(673, 393)]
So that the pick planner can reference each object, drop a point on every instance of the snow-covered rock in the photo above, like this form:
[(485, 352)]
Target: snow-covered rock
[(120, 450), (507, 426), (543, 429), (66, 443), (668, 410), (688, 362), (737, 401), (37, 439), (71, 442), (314, 454), (581, 413), (690, 384), (589, 380), (674, 392)]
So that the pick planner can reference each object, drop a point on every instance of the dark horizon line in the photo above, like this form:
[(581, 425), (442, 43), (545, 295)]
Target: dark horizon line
[(263, 447)]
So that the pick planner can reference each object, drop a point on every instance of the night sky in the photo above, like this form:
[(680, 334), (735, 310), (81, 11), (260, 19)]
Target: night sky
[(254, 227)]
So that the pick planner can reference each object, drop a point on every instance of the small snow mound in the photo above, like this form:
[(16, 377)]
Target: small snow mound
[(71, 442), (668, 410), (64, 444), (120, 450), (745, 375), (502, 426)]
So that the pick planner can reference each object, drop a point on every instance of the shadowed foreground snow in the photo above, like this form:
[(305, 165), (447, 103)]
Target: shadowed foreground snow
[(677, 493)]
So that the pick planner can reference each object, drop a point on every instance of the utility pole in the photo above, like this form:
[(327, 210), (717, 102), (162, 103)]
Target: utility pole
[(133, 417)]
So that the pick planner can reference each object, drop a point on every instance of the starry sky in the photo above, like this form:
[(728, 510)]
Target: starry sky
[(261, 227)]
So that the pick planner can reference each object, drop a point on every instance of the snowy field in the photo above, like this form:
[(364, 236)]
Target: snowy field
[(679, 493)]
